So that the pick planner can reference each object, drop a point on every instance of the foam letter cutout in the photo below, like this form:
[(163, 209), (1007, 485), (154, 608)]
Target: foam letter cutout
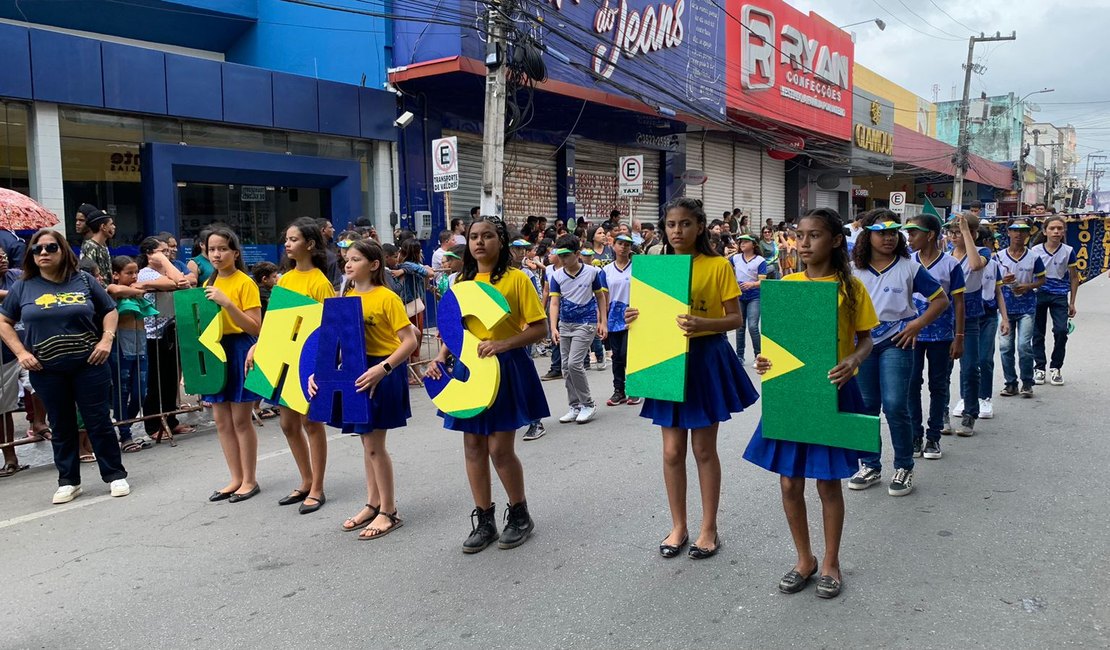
[(290, 319), (199, 330), (340, 359), (799, 403), (456, 397), (656, 345)]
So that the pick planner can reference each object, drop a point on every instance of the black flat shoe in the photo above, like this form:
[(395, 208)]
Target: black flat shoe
[(296, 497), (699, 553), (793, 582), (669, 551), (220, 496), (828, 587), (236, 498), (306, 509)]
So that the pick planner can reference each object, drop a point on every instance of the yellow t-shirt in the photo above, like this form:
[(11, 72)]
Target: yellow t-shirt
[(242, 291), (524, 304), (712, 284), (313, 284), (863, 319), (383, 315)]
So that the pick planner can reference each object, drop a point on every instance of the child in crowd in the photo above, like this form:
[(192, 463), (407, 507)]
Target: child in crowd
[(413, 277), (750, 269), (579, 313), (491, 435), (235, 292), (716, 384), (938, 344), (822, 245), (1022, 274), (554, 262), (128, 361), (452, 264), (266, 276), (390, 339), (520, 249), (1061, 281), (973, 260), (994, 314), (882, 263), (618, 280)]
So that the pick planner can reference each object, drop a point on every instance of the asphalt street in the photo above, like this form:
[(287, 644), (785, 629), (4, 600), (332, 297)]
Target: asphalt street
[(1005, 543)]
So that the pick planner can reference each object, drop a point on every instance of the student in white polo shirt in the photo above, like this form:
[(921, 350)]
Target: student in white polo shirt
[(995, 321), (751, 269), (1022, 273), (618, 280), (1061, 279), (881, 260), (579, 312), (973, 260)]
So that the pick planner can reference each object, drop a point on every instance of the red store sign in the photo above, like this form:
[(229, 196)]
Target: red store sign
[(788, 66)]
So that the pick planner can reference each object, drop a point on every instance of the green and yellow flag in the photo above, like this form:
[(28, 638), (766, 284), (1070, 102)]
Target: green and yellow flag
[(656, 346)]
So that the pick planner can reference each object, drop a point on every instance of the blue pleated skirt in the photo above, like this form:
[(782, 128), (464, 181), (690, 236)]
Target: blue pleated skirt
[(236, 347), (389, 405), (520, 399), (805, 460), (716, 387)]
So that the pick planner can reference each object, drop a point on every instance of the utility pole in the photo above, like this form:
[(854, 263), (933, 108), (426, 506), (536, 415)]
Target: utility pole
[(493, 141), (965, 109)]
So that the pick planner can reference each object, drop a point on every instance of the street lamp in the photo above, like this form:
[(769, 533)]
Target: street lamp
[(877, 21)]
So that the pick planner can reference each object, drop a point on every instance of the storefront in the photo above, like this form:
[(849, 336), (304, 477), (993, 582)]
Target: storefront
[(737, 175), (168, 142)]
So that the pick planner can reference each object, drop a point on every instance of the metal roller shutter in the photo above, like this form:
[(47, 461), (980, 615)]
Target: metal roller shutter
[(747, 184), (530, 179), (827, 199), (774, 189), (717, 164), (595, 177)]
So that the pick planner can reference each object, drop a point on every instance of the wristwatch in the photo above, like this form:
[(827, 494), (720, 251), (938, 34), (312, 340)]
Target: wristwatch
[(388, 368)]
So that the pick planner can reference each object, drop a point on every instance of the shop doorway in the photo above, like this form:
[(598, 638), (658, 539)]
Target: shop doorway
[(259, 214)]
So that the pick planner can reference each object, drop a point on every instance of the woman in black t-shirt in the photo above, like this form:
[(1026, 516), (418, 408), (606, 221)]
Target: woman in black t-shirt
[(69, 325)]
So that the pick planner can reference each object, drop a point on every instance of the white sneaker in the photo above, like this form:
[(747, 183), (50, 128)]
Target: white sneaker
[(600, 365), (586, 414), (1038, 377), (986, 409), (958, 409), (67, 493), (1055, 377), (120, 488), (571, 416)]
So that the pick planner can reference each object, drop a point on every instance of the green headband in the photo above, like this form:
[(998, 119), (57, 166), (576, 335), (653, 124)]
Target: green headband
[(914, 226), (886, 225), (563, 251)]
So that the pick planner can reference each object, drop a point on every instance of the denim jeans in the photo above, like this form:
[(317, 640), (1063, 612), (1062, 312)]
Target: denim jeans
[(1021, 332), (598, 349), (86, 387), (937, 355), (988, 339), (969, 368), (556, 359), (750, 310), (619, 342), (128, 389), (883, 380), (1056, 305)]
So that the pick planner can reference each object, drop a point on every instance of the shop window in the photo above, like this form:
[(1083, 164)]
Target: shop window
[(106, 174), (13, 148)]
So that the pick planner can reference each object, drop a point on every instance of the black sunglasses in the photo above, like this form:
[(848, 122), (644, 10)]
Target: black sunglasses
[(49, 249)]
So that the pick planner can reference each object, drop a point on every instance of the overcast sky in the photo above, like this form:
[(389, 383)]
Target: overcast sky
[(1060, 45)]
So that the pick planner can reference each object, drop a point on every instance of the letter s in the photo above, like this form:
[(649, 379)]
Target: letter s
[(467, 398)]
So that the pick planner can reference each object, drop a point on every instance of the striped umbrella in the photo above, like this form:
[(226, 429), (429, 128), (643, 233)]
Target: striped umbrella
[(19, 212)]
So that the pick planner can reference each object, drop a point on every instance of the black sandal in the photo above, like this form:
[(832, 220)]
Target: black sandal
[(828, 587), (699, 553), (793, 582), (669, 551), (374, 510), (395, 522)]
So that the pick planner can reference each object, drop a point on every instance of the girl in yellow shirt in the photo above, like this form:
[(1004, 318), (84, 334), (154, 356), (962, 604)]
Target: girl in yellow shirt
[(716, 384), (241, 310), (491, 435), (390, 339)]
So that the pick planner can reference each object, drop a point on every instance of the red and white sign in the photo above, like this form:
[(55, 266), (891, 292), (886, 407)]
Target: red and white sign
[(631, 174), (789, 67), (898, 202), (445, 164)]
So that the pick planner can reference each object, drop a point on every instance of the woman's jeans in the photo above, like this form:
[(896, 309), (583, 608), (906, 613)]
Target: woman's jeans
[(1056, 305), (969, 368), (988, 338), (86, 387), (937, 354), (1021, 333), (750, 310), (128, 389), (884, 379)]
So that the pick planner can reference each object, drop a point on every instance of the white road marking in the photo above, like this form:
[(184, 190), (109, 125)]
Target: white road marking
[(81, 503)]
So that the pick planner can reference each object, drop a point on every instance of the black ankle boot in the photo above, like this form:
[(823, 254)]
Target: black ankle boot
[(518, 526), (484, 530)]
